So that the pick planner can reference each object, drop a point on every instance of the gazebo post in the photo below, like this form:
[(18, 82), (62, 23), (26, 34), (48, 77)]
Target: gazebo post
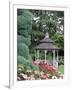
[(53, 57), (37, 54), (45, 55), (57, 60)]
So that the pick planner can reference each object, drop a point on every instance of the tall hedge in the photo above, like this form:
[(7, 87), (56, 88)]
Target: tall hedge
[(23, 50)]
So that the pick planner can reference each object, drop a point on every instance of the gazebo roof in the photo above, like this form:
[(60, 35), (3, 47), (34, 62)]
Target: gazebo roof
[(46, 44), (46, 40)]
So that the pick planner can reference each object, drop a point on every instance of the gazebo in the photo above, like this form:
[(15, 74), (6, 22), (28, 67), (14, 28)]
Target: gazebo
[(46, 45)]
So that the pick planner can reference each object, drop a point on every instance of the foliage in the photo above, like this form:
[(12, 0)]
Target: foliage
[(61, 60), (21, 39), (21, 60), (24, 23), (47, 21), (37, 35), (20, 68), (61, 68), (24, 64), (31, 27), (24, 27), (34, 67), (50, 21), (59, 40), (23, 50)]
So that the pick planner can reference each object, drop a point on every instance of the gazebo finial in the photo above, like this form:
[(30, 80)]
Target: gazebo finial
[(47, 35)]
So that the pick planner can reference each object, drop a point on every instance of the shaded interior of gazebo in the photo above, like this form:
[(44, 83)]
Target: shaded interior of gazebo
[(47, 45)]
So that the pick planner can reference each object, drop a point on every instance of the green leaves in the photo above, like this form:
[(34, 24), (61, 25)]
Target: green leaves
[(24, 27), (37, 35), (50, 21), (22, 50), (21, 39), (21, 60), (24, 22), (59, 40)]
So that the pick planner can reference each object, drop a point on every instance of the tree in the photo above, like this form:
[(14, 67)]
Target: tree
[(59, 40), (51, 21)]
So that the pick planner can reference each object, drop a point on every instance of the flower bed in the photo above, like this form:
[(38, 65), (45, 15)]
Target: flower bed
[(46, 71)]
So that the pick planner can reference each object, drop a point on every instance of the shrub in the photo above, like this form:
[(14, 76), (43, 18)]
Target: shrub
[(24, 22), (21, 39), (21, 60), (34, 67), (23, 50), (20, 68)]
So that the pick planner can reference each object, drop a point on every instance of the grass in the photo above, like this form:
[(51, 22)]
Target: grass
[(61, 69)]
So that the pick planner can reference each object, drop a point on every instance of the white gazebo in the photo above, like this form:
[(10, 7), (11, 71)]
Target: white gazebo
[(46, 45)]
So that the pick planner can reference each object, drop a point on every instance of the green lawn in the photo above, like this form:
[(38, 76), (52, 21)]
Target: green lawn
[(61, 69)]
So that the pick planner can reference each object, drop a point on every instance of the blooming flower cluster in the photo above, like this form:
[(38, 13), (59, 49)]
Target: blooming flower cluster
[(45, 66), (46, 71)]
